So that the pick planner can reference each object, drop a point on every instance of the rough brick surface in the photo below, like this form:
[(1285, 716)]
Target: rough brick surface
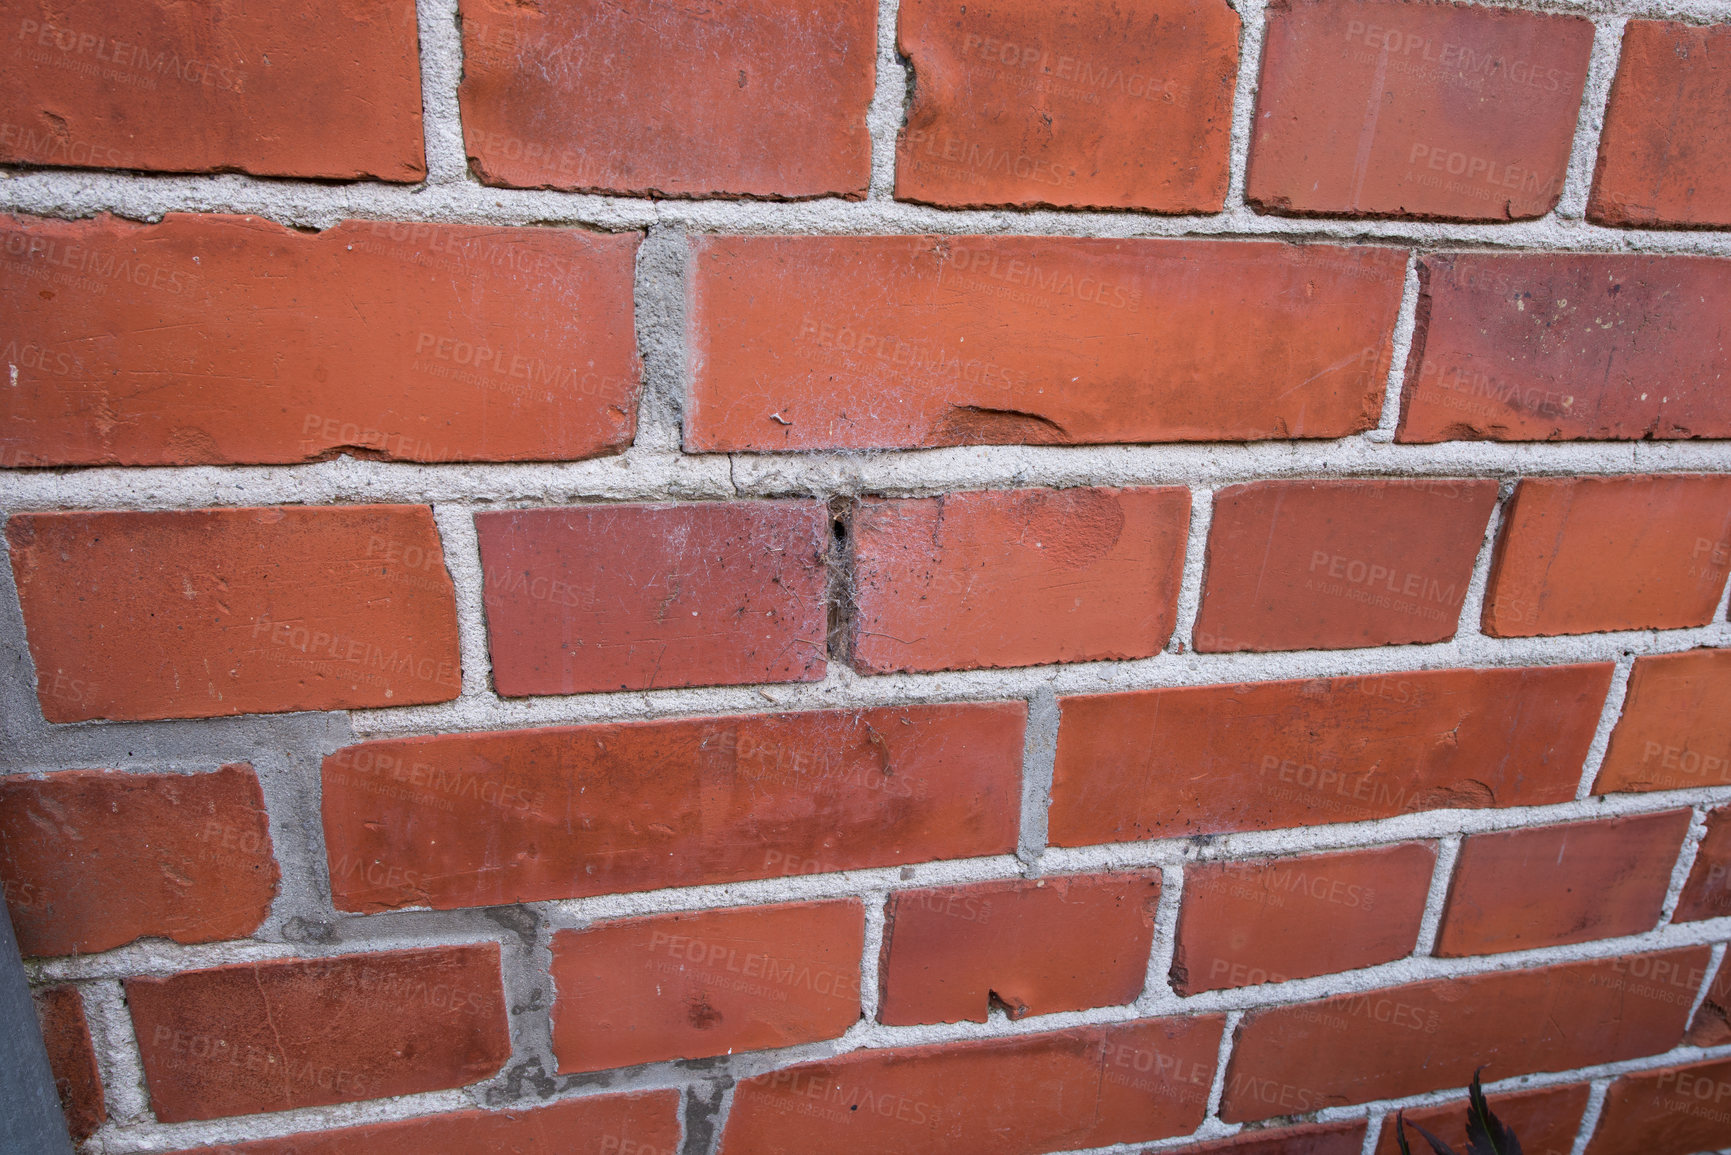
[(1712, 1024), (1329, 565), (1017, 578), (486, 819), (1670, 1111), (646, 1123), (1087, 1087), (691, 986), (1675, 729), (212, 340), (638, 597), (1431, 110), (1208, 759), (1271, 920), (1522, 889), (756, 98), (1665, 152), (72, 1058), (1029, 948), (1316, 1139), (1569, 347), (1582, 554), (269, 1036), (1017, 102), (894, 342), (1707, 893), (1545, 1122), (202, 613), (324, 88), (90, 860), (1429, 1036)]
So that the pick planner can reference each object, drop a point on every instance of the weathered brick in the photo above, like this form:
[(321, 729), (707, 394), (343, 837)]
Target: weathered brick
[(1017, 578), (1176, 762), (1315, 1139), (905, 341), (215, 340), (1428, 1036), (72, 1058), (759, 98), (1712, 1025), (1327, 565), (1087, 1087), (1669, 1111), (1545, 1121), (691, 986), (1020, 103), (1568, 347), (269, 1036), (1578, 555), (208, 612), (92, 859), (1675, 730), (1032, 947), (1550, 885), (1429, 110), (1652, 170), (324, 88), (1707, 893), (639, 597), (1272, 920), (486, 819)]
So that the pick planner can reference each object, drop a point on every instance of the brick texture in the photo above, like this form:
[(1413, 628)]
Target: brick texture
[(424, 821), (91, 860), (1582, 554), (1209, 759), (1271, 920), (898, 342), (1035, 947), (1675, 727), (1545, 1121), (217, 340), (1317, 1139), (1115, 106), (1016, 578), (270, 1036), (1651, 173), (325, 88), (1427, 110), (636, 597), (691, 986), (1670, 1111), (1712, 1024), (72, 1058), (1335, 564), (1707, 893)]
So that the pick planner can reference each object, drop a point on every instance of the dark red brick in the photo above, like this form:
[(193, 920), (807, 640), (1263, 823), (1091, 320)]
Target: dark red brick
[(1712, 1025), (1670, 1111), (1675, 730), (1545, 1121), (72, 1058), (1707, 893)]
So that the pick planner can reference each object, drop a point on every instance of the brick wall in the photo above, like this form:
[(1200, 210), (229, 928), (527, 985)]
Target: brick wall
[(635, 577)]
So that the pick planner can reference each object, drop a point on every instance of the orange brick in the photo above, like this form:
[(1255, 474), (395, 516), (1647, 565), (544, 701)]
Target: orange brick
[(1670, 1111), (1676, 725), (1544, 1121)]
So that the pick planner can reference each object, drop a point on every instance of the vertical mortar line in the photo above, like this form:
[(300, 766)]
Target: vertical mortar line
[(118, 1061), (723, 1107), (462, 548), (1448, 850), (1715, 956), (1608, 718), (1195, 561), (1372, 1133), (1157, 984), (1217, 1089), (526, 962), (441, 70), (1250, 37), (1039, 762), (659, 297), (888, 107), (1685, 862), (1473, 605), (1584, 152), (876, 922), (1723, 605), (292, 785), (1405, 324), (1590, 1116)]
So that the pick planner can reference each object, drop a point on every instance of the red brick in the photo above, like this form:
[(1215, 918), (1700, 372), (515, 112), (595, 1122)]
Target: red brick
[(92, 859), (1669, 1111), (1087, 1087), (646, 1123), (72, 1057), (1676, 725), (691, 986), (1545, 1121), (326, 88), (1182, 761), (1271, 920), (1707, 894), (1581, 554), (1033, 947), (1712, 1025), (487, 819), (216, 340), (269, 1036), (1432, 1036), (1395, 108), (1568, 347), (758, 98), (1017, 578), (1328, 565), (1103, 106), (209, 612), (1316, 1139), (639, 597), (1649, 172), (1551, 885), (906, 341)]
